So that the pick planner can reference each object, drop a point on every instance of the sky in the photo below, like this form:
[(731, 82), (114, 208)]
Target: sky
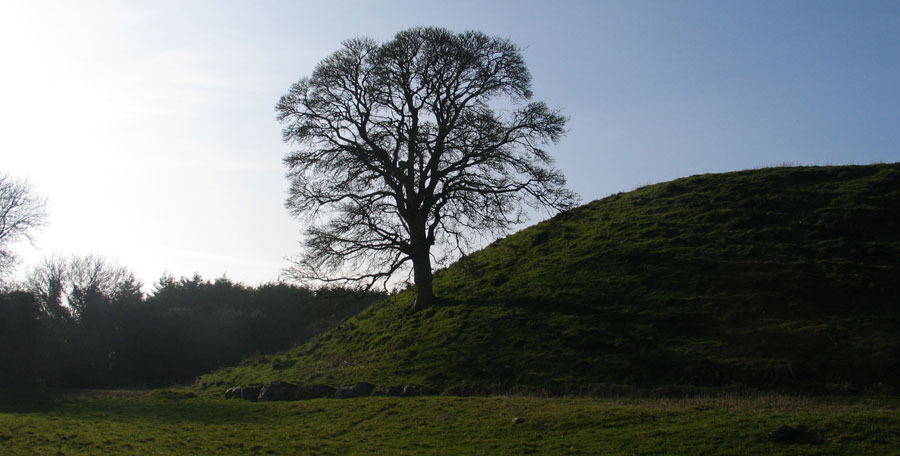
[(150, 129)]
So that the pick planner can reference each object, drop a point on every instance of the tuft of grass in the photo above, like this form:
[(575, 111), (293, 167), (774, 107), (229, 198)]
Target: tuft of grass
[(778, 279)]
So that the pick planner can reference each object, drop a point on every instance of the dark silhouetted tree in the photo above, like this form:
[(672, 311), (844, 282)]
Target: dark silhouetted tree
[(47, 281), (199, 325), (95, 283), (21, 212), (80, 285), (400, 149), (86, 301), (114, 336), (21, 337)]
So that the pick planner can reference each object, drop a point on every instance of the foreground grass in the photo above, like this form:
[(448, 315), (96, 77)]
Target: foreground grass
[(176, 423)]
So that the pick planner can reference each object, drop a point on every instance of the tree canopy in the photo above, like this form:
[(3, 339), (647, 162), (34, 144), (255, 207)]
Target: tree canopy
[(84, 322), (418, 142), (21, 212)]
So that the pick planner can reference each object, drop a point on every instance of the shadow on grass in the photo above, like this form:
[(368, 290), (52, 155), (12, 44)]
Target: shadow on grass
[(131, 405)]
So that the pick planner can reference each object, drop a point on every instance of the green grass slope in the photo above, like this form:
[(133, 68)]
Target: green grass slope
[(781, 278)]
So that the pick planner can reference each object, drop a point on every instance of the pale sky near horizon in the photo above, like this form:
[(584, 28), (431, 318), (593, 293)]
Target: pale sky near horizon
[(150, 126)]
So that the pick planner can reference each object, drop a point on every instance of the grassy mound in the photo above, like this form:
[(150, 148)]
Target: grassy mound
[(781, 278)]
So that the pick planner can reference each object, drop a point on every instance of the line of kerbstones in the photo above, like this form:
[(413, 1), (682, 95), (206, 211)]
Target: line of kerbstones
[(284, 391)]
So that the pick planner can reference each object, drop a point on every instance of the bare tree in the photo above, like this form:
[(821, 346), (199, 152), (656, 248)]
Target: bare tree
[(95, 281), (22, 211), (48, 281), (81, 284), (400, 149)]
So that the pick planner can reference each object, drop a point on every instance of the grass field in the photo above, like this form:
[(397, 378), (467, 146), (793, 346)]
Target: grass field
[(767, 280), (172, 422)]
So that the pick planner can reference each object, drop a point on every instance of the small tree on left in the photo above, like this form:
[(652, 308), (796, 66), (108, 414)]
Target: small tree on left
[(22, 212), (82, 287)]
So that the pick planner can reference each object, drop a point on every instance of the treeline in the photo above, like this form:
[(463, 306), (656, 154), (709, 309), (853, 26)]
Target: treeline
[(84, 322)]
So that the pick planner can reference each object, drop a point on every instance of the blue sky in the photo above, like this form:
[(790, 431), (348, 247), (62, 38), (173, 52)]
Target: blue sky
[(150, 126)]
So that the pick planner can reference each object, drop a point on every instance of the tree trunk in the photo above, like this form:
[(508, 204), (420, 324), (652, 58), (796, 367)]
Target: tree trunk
[(423, 278)]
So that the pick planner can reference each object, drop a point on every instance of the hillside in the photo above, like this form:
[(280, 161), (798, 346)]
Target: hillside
[(780, 278)]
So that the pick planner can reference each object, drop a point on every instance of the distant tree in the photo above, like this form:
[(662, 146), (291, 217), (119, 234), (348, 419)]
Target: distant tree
[(21, 337), (196, 325), (88, 304), (400, 150), (79, 285), (21, 212), (95, 281), (48, 282), (83, 322)]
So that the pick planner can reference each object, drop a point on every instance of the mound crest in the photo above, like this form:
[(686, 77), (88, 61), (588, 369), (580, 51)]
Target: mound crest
[(780, 278)]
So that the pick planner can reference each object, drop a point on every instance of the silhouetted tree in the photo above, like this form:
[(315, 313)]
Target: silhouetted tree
[(21, 212), (21, 337), (47, 281), (400, 150), (80, 285), (114, 336), (84, 302), (95, 283), (197, 325)]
